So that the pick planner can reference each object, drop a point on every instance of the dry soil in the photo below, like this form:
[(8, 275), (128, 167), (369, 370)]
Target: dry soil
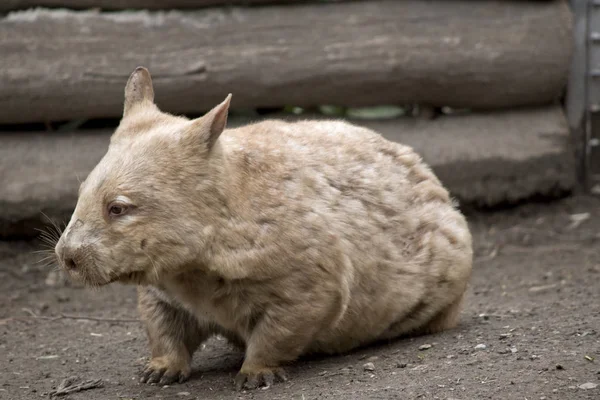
[(530, 329)]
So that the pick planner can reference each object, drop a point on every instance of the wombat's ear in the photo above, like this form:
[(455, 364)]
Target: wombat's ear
[(138, 89), (211, 125)]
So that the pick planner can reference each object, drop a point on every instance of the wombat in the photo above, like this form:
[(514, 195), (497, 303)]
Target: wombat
[(287, 238)]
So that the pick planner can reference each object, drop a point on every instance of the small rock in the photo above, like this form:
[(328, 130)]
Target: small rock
[(50, 357), (480, 347), (183, 394), (578, 219), (534, 357), (588, 385), (513, 350), (540, 289), (425, 347), (374, 358), (369, 366), (554, 390), (543, 397), (401, 365), (505, 335), (559, 367)]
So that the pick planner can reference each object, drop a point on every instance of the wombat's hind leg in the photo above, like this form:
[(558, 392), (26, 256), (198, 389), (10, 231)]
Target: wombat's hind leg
[(446, 319), (173, 336)]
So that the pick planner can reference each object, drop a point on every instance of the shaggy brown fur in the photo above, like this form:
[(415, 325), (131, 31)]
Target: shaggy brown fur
[(287, 238)]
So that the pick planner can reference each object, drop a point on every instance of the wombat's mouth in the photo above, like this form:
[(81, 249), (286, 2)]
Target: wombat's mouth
[(136, 277)]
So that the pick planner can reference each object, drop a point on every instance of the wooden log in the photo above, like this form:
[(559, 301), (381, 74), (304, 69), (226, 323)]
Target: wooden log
[(61, 64), (10, 5)]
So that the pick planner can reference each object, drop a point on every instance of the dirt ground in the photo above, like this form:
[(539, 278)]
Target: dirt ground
[(530, 329)]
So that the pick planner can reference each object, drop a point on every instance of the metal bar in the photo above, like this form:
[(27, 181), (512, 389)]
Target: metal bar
[(577, 104)]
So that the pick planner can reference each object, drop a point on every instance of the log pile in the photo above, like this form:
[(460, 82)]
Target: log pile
[(506, 60)]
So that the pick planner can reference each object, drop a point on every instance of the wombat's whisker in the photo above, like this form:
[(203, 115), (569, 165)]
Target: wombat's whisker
[(56, 227), (43, 251), (50, 264), (154, 269), (46, 232), (48, 238), (45, 259)]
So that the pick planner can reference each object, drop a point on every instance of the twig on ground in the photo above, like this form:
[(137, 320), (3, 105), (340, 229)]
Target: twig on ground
[(82, 317), (69, 386)]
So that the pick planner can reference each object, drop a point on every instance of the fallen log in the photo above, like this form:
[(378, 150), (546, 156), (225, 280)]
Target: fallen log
[(61, 64), (485, 159), (10, 5)]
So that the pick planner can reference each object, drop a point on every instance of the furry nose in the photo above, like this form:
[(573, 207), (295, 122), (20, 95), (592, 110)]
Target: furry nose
[(64, 254), (70, 263)]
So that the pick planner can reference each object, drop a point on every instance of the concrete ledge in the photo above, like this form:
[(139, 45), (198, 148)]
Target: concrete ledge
[(486, 160)]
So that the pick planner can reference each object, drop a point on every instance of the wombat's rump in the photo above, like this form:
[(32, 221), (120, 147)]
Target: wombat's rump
[(287, 238)]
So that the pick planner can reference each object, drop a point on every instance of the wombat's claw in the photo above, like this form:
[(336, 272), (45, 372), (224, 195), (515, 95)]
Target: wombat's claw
[(162, 376), (264, 377)]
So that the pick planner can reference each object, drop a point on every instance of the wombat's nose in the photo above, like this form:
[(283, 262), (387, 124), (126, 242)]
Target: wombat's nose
[(63, 253), (70, 263)]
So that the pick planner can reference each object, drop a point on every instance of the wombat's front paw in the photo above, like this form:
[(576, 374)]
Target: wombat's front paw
[(165, 371), (254, 378)]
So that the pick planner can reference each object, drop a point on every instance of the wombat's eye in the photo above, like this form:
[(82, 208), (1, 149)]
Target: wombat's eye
[(116, 209)]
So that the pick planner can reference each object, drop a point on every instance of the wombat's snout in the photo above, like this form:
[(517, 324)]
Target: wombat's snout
[(65, 255)]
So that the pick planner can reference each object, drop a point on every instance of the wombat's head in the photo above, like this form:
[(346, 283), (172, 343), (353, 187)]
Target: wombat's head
[(141, 212)]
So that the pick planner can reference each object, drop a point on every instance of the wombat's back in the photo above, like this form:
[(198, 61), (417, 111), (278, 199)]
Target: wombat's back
[(408, 248)]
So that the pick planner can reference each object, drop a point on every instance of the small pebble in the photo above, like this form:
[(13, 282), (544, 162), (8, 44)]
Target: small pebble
[(62, 298), (425, 347), (588, 385), (401, 365), (480, 347), (183, 394), (513, 350), (369, 366), (559, 367)]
